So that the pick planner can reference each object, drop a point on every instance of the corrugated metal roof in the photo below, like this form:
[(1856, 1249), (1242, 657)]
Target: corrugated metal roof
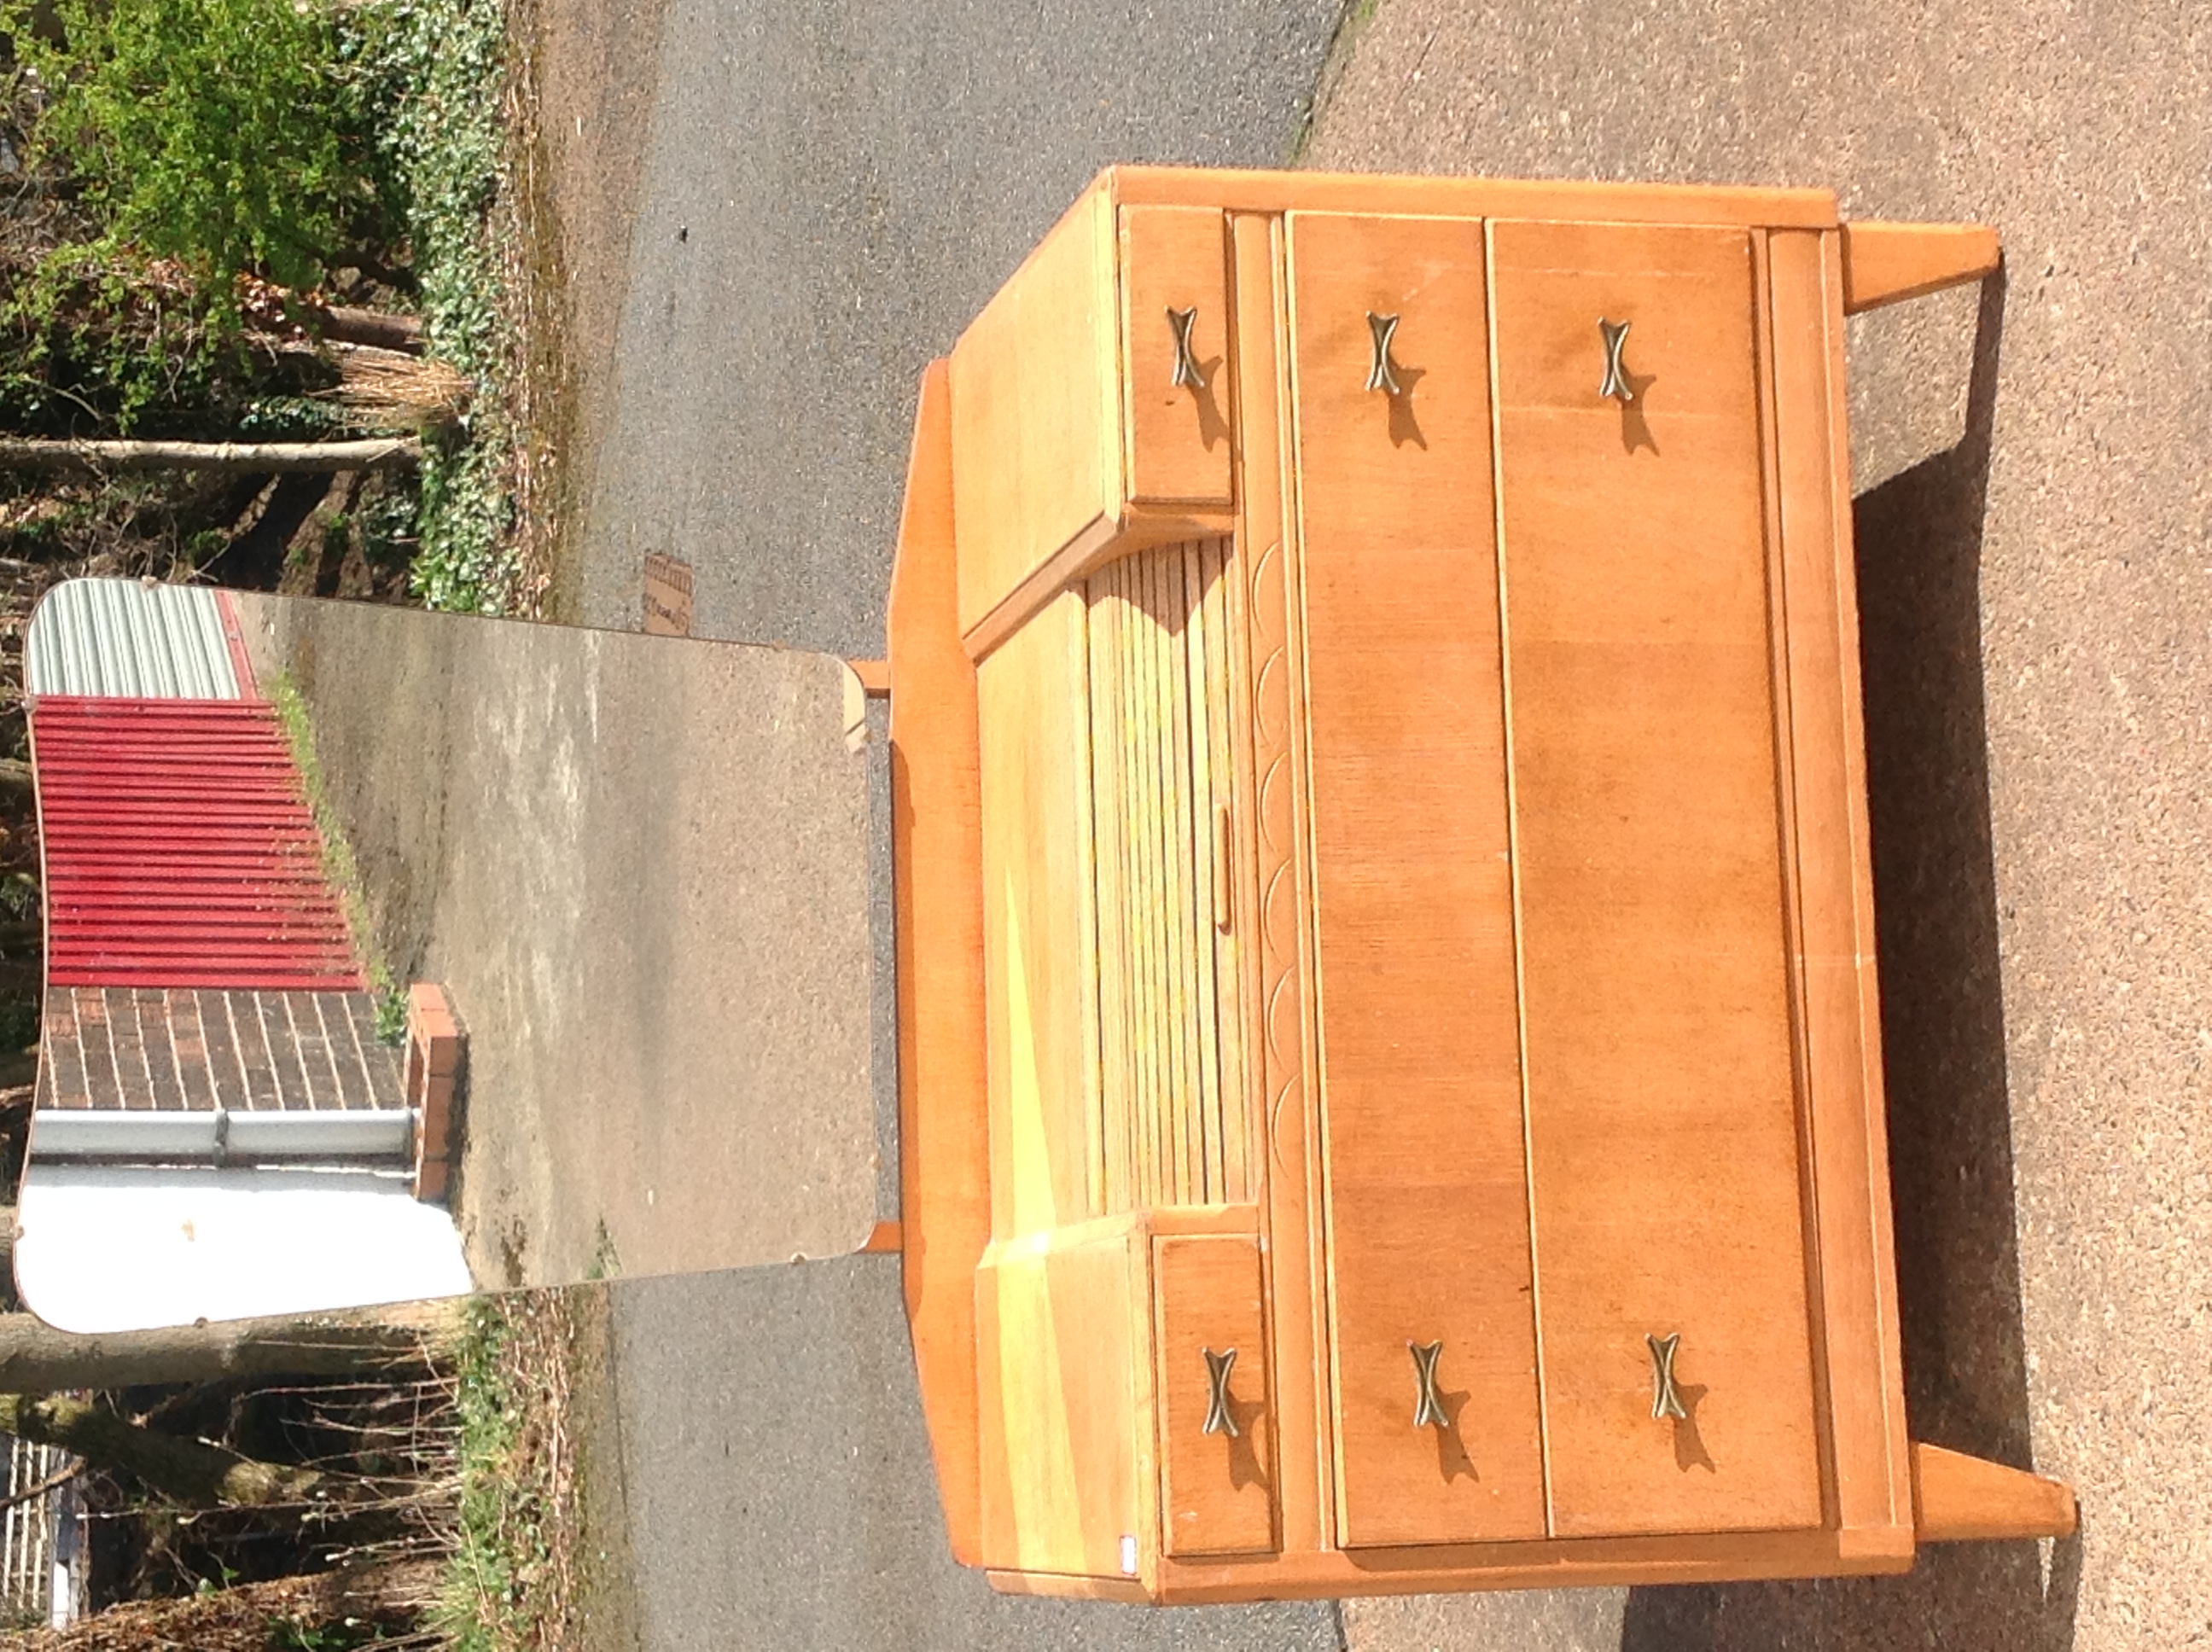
[(179, 849), (122, 637)]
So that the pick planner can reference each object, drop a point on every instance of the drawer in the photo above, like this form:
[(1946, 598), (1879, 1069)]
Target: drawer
[(1425, 1175), (1174, 265), (1217, 1465), (1661, 1077)]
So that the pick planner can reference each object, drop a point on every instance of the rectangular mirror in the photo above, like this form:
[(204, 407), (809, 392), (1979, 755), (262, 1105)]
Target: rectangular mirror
[(393, 954)]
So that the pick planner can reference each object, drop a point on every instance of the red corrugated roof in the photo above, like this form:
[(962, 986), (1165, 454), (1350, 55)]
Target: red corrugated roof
[(179, 850)]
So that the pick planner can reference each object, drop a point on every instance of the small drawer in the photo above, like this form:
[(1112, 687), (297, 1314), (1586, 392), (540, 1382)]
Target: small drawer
[(1217, 1460), (1175, 354)]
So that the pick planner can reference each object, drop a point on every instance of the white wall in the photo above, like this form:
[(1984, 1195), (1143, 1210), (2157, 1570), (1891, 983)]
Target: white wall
[(105, 1248)]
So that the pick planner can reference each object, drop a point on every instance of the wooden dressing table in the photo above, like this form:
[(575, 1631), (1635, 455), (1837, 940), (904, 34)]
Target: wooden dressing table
[(1389, 1055)]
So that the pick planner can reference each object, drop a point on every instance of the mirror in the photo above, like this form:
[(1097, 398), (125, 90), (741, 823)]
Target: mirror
[(392, 954)]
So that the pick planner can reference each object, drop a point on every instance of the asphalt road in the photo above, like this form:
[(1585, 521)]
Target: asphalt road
[(827, 195), (822, 197)]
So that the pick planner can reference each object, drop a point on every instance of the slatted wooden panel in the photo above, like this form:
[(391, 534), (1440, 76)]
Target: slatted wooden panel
[(179, 850), (1171, 1047)]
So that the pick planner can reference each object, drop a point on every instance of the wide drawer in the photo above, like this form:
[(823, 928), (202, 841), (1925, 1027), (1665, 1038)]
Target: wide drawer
[(1648, 843), (1426, 1182)]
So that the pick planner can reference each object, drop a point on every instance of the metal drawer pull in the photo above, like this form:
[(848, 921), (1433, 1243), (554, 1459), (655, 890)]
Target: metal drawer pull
[(1384, 375), (1427, 1407), (1186, 365), (1218, 1367), (1665, 1402), (1615, 333)]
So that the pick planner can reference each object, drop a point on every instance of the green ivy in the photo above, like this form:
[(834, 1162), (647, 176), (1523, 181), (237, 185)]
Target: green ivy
[(443, 139)]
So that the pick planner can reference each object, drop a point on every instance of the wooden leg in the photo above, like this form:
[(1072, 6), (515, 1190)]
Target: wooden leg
[(1957, 1497), (1885, 263), (875, 677)]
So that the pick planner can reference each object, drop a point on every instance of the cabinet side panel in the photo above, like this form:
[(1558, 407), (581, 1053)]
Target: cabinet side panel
[(937, 880), (1425, 1178), (1660, 1070), (1039, 940), (1841, 1031), (1066, 1355), (1036, 423)]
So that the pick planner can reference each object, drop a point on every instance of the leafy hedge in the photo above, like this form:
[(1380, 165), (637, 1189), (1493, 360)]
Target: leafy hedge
[(233, 136), (188, 151)]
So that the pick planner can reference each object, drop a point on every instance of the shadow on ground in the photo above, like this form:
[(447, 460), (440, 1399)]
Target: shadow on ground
[(1943, 1052)]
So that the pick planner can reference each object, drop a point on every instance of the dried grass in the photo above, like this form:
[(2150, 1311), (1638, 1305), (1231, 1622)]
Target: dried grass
[(538, 380), (391, 389)]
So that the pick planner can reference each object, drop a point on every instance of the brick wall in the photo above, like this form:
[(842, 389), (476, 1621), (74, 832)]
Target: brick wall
[(183, 1046)]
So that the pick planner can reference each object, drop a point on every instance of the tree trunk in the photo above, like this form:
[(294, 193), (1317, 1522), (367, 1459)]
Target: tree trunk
[(342, 324), (240, 1620), (197, 1475), (36, 1358), (236, 458)]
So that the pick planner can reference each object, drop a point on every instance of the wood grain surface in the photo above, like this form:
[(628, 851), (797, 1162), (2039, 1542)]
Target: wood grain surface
[(1426, 1183), (1646, 836)]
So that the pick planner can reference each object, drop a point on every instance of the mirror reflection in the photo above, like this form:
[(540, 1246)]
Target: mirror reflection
[(391, 954)]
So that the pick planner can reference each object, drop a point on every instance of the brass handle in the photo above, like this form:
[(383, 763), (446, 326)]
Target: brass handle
[(1218, 1367), (1665, 1402), (1615, 382), (1427, 1407), (1384, 375), (1186, 363)]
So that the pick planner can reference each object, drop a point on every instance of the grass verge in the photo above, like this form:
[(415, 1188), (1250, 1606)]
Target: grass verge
[(509, 1584), (338, 865)]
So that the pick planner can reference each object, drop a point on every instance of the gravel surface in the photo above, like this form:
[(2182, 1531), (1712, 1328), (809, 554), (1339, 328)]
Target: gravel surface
[(2035, 586)]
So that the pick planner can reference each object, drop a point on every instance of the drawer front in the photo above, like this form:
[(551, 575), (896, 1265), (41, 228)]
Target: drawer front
[(1175, 276), (1662, 1114), (1217, 1463), (1424, 1176)]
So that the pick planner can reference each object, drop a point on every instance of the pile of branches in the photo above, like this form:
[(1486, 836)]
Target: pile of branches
[(249, 1460), (375, 1608)]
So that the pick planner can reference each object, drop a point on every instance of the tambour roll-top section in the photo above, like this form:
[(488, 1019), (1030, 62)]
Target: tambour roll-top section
[(1175, 1122)]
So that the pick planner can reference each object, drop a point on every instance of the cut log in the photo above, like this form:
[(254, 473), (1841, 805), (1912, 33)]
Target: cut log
[(342, 324), (236, 458), (35, 1358)]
